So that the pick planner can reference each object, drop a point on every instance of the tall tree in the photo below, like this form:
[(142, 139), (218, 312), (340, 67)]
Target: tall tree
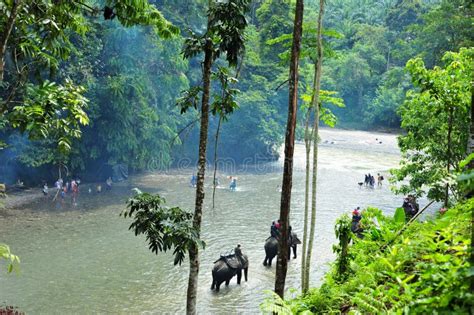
[(316, 107), (282, 262), (224, 35), (36, 37), (435, 116)]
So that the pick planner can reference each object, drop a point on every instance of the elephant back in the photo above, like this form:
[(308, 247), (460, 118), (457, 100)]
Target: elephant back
[(271, 242), (236, 262)]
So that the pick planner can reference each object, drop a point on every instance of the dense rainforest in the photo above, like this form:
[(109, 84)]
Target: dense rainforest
[(88, 87), (130, 79)]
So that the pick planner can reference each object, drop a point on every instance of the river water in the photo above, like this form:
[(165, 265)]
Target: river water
[(83, 259)]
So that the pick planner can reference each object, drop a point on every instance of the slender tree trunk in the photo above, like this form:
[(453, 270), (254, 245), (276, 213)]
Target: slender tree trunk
[(307, 143), (282, 261), (470, 166), (448, 163), (470, 144), (315, 106), (214, 184), (7, 29), (194, 250)]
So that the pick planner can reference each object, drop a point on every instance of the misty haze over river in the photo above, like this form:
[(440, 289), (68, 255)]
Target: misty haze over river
[(84, 259)]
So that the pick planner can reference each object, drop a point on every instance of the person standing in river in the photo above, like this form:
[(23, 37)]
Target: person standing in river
[(45, 189), (379, 180), (75, 191)]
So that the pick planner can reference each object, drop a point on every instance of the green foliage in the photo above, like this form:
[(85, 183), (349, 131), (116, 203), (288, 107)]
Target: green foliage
[(141, 12), (224, 32), (379, 37), (224, 103), (165, 228), (466, 177), (399, 215), (424, 271), (189, 99), (51, 111), (55, 41), (344, 235), (12, 260), (436, 119), (274, 304)]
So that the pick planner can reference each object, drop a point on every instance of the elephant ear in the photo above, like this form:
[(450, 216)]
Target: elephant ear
[(245, 261)]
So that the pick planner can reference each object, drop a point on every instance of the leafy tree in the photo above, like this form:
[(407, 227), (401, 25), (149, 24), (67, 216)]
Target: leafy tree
[(37, 35), (134, 119), (224, 35), (315, 99), (436, 119), (446, 27), (165, 228)]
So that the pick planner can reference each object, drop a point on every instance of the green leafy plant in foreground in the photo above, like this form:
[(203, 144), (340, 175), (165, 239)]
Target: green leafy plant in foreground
[(344, 235), (164, 227), (5, 254), (425, 270)]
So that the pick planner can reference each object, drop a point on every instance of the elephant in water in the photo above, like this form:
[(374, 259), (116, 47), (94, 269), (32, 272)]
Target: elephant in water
[(226, 267), (271, 248)]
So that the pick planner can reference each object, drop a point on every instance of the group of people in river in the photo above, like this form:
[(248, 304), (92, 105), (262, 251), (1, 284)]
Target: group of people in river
[(63, 188), (369, 180), (232, 183)]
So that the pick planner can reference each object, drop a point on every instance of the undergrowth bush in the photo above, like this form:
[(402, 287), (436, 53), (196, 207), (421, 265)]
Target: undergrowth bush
[(425, 270)]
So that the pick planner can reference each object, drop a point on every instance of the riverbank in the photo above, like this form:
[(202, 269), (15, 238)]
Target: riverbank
[(19, 201)]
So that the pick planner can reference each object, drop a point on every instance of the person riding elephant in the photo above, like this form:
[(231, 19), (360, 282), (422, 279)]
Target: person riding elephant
[(226, 267), (410, 206), (271, 247)]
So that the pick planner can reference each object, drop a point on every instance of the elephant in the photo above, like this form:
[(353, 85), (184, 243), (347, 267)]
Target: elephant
[(226, 267), (271, 248)]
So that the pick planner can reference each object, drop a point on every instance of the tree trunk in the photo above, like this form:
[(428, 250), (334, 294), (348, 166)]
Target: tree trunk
[(315, 105), (470, 166), (470, 143), (307, 143), (448, 162), (194, 251), (7, 29), (214, 184), (282, 261)]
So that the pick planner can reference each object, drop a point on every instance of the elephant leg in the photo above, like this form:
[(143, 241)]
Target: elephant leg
[(213, 285), (218, 285), (265, 261), (239, 276), (246, 273), (289, 252), (294, 251), (227, 282), (270, 261)]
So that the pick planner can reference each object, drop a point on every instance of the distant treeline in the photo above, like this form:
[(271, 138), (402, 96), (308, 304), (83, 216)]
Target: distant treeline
[(133, 78)]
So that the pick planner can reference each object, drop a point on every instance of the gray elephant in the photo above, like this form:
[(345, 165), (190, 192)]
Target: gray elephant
[(271, 248), (226, 267)]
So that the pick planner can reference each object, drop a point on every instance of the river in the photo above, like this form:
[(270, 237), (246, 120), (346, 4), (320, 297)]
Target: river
[(84, 259)]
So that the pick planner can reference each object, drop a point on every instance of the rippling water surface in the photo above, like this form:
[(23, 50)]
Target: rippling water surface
[(84, 260)]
